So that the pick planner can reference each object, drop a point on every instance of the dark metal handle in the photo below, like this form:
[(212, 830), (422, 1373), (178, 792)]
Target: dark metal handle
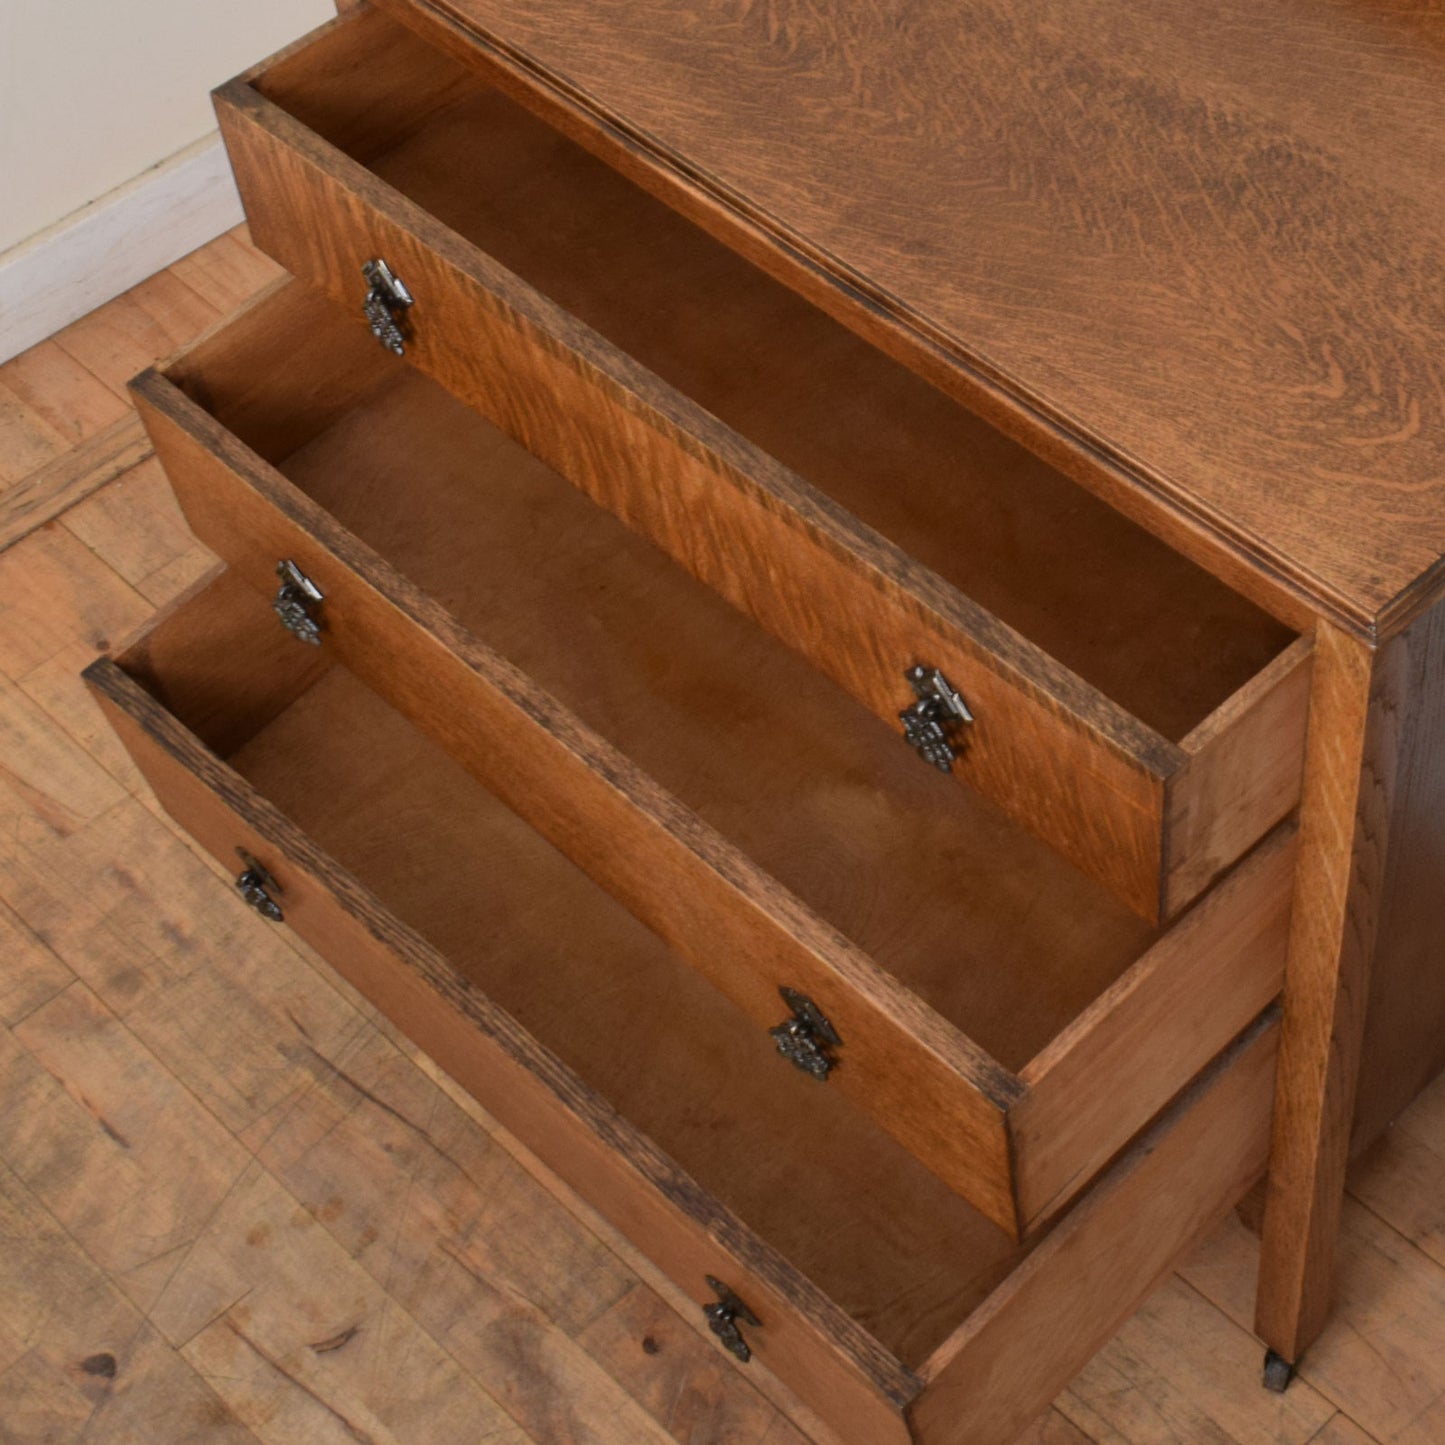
[(805, 1038), (386, 304), (722, 1319), (256, 886), (296, 601), (931, 724)]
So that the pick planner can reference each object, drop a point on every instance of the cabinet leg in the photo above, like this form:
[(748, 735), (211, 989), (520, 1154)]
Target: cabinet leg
[(1348, 787)]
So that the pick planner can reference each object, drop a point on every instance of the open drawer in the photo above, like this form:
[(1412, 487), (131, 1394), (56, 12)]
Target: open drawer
[(1127, 706), (891, 1306), (1001, 1014)]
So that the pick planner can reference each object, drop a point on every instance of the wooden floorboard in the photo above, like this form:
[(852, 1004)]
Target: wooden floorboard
[(236, 1205)]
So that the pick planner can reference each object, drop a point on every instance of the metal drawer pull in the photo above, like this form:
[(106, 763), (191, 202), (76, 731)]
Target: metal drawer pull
[(295, 602), (930, 724), (387, 302), (722, 1319), (805, 1038), (257, 885)]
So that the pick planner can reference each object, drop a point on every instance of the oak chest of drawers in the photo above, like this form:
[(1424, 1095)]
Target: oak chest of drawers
[(847, 786)]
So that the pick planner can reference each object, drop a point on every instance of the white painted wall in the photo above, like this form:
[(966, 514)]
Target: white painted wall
[(94, 92)]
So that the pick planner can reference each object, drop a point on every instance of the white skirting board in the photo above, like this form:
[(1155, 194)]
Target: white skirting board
[(115, 242)]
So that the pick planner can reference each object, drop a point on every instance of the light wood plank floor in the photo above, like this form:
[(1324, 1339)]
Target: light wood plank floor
[(237, 1206)]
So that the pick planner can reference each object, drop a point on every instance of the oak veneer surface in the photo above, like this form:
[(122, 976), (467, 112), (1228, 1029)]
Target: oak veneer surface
[(844, 1203), (1204, 238), (1154, 632)]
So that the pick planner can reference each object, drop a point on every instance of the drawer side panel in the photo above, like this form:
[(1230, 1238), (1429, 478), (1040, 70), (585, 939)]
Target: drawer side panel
[(1244, 773), (1142, 1042), (1042, 1325)]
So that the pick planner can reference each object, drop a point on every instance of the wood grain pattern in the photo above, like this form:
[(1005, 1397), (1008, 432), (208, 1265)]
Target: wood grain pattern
[(228, 272), (884, 1239), (1405, 1402), (46, 389), (220, 1017), (1057, 753), (200, 684), (35, 975), (1379, 1366), (58, 592), (298, 1355), (371, 1144), (1053, 443), (680, 1378), (160, 561), (78, 1356), (1151, 236), (1349, 787), (1342, 1431), (1181, 1370), (66, 431), (138, 328), (938, 887), (42, 495), (62, 1087)]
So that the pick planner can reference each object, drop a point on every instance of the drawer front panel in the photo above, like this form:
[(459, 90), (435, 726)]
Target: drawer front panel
[(939, 1094), (1054, 752), (982, 1385)]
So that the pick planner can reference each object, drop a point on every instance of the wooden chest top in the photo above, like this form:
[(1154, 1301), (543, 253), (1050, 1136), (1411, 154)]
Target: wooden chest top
[(1205, 241)]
